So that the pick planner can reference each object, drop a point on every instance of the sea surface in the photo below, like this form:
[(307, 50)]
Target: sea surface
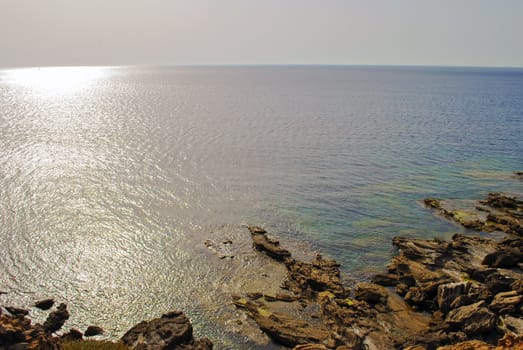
[(112, 178)]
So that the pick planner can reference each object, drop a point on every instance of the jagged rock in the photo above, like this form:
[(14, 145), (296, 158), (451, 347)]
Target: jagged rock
[(45, 304), (472, 319), (16, 311), (498, 200), (503, 258), (386, 279), (310, 347), (17, 332), (517, 286), (283, 328), (320, 275), (468, 345), (447, 293), (508, 342), (56, 319), (265, 244), (93, 330), (462, 300), (171, 330), (432, 203), (371, 293), (505, 302)]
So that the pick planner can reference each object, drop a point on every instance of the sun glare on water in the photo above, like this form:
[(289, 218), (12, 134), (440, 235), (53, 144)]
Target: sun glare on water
[(55, 80)]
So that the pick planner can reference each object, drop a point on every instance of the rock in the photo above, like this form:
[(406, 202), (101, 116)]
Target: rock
[(505, 302), (510, 324), (468, 345), (72, 335), (371, 293), (447, 293), (17, 332), (310, 347), (318, 276), (432, 203), (93, 330), (498, 200), (386, 279), (283, 328), (472, 319), (503, 258), (45, 304), (462, 300), (510, 342), (265, 244), (171, 330), (16, 311), (56, 319)]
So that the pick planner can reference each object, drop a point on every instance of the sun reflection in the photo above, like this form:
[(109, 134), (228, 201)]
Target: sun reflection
[(56, 80)]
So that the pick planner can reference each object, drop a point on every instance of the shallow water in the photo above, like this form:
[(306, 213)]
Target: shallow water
[(112, 178)]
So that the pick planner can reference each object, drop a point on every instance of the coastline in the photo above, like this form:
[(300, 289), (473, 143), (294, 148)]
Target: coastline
[(435, 293)]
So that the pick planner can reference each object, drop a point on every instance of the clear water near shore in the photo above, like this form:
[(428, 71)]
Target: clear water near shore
[(112, 178)]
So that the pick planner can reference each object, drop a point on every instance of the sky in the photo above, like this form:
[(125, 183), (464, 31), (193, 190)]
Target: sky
[(228, 32)]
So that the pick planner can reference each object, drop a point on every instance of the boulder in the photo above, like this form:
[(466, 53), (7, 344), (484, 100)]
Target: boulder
[(386, 279), (171, 330), (506, 302), (44, 304), (17, 311), (56, 319), (371, 293), (472, 319), (447, 294), (72, 335), (92, 331), (310, 347), (503, 258), (284, 329)]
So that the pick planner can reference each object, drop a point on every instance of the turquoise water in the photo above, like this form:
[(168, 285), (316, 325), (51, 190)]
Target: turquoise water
[(111, 178)]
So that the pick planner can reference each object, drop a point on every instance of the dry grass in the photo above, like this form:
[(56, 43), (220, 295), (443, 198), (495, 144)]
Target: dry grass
[(93, 345)]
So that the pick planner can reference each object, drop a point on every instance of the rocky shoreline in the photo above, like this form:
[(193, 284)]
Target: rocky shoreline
[(462, 293), (171, 331), (466, 293)]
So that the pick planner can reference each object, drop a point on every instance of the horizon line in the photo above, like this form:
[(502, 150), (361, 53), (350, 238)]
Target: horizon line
[(232, 65)]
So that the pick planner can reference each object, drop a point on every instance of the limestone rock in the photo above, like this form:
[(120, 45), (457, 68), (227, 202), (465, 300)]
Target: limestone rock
[(447, 293), (265, 244), (472, 319), (171, 330), (505, 302), (283, 328), (371, 293)]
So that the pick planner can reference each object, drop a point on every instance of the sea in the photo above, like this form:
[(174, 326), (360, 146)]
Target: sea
[(117, 182)]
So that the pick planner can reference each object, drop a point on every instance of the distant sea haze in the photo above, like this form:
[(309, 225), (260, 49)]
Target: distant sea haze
[(111, 179)]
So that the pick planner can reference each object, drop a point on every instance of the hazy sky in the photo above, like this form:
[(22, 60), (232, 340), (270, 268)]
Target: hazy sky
[(117, 32)]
